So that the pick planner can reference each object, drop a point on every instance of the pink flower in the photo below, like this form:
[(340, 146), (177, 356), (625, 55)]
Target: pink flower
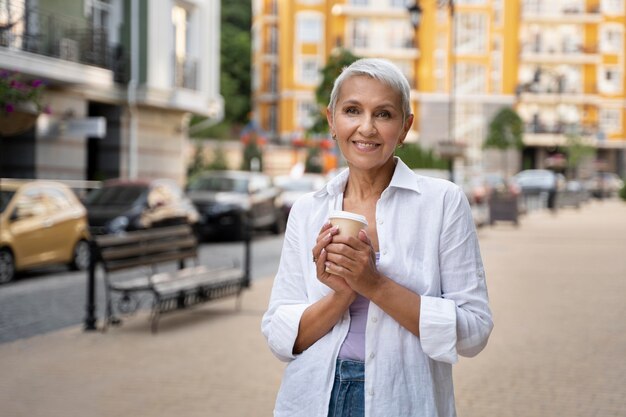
[(9, 108), (36, 83)]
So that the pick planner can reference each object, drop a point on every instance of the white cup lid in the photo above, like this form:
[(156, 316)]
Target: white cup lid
[(339, 214)]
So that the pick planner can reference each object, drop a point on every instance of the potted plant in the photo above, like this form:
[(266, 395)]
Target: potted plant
[(20, 103)]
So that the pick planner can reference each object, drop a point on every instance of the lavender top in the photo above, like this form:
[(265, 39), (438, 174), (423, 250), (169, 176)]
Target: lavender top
[(353, 346)]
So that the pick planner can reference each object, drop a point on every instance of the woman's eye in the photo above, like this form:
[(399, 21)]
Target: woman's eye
[(352, 110), (384, 114)]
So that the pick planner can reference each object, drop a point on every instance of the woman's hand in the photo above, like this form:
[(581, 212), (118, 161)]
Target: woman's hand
[(335, 282), (354, 260)]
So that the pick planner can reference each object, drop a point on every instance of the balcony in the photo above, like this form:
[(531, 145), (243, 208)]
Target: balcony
[(547, 12), (565, 53), (58, 48)]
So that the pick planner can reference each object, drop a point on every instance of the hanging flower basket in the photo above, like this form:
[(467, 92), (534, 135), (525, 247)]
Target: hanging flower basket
[(20, 103), (19, 121)]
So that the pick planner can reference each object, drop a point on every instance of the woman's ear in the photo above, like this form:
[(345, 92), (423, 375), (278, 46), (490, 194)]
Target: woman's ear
[(407, 126), (329, 119)]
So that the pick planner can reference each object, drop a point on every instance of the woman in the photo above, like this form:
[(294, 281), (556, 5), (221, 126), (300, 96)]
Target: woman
[(371, 325)]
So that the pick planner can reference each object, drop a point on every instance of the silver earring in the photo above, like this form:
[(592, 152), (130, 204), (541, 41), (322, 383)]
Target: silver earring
[(334, 137)]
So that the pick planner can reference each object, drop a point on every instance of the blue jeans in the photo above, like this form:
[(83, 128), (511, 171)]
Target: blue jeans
[(348, 396)]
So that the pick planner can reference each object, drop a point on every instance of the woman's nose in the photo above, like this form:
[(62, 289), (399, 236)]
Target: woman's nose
[(367, 127)]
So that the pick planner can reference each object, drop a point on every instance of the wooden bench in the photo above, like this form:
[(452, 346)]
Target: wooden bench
[(185, 287)]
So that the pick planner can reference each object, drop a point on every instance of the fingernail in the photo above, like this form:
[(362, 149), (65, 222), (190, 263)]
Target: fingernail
[(329, 236)]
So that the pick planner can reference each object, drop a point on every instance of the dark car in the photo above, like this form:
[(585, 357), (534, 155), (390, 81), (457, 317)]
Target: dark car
[(126, 205), (227, 200), (294, 187)]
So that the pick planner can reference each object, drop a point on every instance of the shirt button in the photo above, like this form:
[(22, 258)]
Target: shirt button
[(374, 319), (381, 221), (371, 391), (385, 252), (372, 355)]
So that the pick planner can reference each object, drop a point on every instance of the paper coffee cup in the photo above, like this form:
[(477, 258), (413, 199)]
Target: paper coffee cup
[(349, 223)]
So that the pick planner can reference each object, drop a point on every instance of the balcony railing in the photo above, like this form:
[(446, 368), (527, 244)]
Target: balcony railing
[(561, 128), (53, 35)]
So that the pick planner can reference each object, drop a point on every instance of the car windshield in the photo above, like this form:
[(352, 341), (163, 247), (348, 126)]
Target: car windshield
[(5, 197), (117, 195), (298, 184), (238, 185)]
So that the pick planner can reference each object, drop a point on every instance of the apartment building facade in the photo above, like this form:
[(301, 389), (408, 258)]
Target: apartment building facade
[(497, 53), (122, 78)]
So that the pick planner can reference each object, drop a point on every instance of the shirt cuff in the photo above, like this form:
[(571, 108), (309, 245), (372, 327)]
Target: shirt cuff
[(438, 329), (284, 330)]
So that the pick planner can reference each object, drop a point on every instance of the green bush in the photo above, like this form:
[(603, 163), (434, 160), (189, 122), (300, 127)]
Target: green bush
[(622, 192), (415, 157)]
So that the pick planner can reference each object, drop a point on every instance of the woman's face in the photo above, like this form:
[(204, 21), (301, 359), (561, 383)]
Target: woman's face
[(368, 122)]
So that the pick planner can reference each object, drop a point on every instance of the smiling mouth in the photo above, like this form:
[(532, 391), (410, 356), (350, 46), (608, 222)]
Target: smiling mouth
[(365, 146)]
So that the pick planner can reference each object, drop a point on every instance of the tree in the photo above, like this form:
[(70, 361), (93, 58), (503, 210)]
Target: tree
[(252, 156), (330, 72), (506, 131), (577, 150)]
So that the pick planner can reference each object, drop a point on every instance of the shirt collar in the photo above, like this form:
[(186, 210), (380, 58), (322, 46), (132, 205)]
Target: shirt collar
[(403, 177)]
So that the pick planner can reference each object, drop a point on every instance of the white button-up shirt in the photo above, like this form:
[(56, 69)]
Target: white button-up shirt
[(428, 244)]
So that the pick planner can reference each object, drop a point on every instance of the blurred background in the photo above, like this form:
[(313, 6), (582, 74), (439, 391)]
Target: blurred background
[(124, 115)]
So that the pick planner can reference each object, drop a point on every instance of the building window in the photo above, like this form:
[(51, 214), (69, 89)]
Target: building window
[(309, 28), (309, 70), (359, 2), (360, 30), (612, 7), (305, 113), (185, 65), (612, 39), (610, 81), (398, 4), (498, 12), (471, 33), (496, 66), (610, 121), (399, 34), (470, 78)]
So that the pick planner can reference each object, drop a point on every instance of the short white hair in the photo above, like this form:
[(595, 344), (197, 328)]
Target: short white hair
[(379, 69)]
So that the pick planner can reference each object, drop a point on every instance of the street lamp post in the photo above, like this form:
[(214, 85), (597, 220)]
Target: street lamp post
[(447, 148)]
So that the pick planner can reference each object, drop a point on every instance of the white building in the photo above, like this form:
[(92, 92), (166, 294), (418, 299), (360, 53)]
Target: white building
[(139, 68)]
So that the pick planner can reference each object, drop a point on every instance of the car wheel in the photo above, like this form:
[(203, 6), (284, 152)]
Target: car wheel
[(279, 224), (7, 266), (81, 256)]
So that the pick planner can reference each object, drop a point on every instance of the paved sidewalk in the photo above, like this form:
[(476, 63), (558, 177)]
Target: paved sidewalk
[(557, 286)]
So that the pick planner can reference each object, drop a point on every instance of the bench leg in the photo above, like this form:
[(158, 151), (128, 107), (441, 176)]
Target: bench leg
[(238, 300), (155, 315)]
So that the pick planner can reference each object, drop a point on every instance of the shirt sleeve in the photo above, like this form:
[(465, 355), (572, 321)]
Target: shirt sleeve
[(289, 298), (459, 322)]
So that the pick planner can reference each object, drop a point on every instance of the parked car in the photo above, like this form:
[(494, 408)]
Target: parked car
[(41, 223), (125, 205), (293, 187), (474, 187), (227, 200), (604, 185), (537, 182)]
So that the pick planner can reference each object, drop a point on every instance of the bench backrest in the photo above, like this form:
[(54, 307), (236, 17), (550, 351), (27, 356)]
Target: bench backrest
[(146, 247)]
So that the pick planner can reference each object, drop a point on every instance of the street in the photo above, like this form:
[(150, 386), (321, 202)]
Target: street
[(54, 298)]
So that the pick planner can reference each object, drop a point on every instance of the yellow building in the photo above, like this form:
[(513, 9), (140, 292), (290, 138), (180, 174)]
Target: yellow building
[(559, 62)]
